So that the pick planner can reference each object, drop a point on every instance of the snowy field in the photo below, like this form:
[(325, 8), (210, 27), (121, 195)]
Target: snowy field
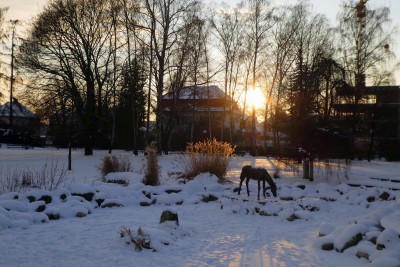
[(357, 226)]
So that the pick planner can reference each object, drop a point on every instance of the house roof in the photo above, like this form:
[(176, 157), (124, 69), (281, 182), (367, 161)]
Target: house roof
[(18, 110), (197, 92)]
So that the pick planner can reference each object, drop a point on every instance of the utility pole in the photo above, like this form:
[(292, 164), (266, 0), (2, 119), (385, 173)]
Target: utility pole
[(13, 25)]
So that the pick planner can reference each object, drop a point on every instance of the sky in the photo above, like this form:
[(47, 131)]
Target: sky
[(26, 9)]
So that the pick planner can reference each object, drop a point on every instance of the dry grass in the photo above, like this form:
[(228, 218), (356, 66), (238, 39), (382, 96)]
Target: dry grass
[(208, 156), (277, 171), (141, 240), (114, 163), (152, 169)]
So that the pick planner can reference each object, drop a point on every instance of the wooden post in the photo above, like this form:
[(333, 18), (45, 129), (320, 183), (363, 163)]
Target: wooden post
[(69, 156), (306, 168)]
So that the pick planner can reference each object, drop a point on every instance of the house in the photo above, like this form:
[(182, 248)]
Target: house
[(196, 113), (378, 122), (22, 117)]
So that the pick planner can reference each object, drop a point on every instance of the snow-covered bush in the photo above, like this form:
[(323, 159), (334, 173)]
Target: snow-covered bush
[(208, 156)]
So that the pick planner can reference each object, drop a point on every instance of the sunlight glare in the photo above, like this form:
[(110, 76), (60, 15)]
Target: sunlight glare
[(255, 98)]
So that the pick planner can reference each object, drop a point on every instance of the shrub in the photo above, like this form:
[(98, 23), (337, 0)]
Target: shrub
[(151, 174), (114, 163), (10, 181), (208, 156), (50, 177)]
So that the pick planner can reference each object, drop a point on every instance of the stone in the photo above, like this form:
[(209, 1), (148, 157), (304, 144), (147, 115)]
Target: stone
[(31, 198), (145, 203), (88, 196), (288, 198), (99, 201), (362, 254), (209, 198), (53, 216), (384, 196), (80, 214), (168, 215), (47, 199), (170, 191), (327, 246), (40, 208), (111, 205), (351, 242)]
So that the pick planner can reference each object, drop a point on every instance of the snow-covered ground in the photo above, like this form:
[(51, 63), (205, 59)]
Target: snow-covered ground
[(216, 226)]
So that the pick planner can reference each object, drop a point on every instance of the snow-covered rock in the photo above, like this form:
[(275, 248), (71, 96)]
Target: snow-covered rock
[(325, 229), (349, 237)]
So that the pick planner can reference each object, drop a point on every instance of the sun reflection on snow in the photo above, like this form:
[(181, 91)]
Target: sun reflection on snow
[(236, 251), (277, 254), (217, 251)]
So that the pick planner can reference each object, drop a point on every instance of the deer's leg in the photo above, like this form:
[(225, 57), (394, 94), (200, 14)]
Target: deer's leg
[(247, 186), (264, 190), (259, 187), (240, 186)]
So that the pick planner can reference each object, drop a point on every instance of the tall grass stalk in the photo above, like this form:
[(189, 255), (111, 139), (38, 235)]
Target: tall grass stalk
[(152, 170)]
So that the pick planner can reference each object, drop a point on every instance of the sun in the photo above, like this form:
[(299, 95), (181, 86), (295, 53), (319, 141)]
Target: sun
[(255, 98)]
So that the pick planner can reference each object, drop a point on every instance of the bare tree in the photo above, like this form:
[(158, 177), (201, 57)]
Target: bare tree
[(130, 20), (364, 42), (297, 58), (69, 40), (114, 12), (365, 38), (313, 45), (187, 68), (166, 20), (259, 20), (228, 31), (281, 60)]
